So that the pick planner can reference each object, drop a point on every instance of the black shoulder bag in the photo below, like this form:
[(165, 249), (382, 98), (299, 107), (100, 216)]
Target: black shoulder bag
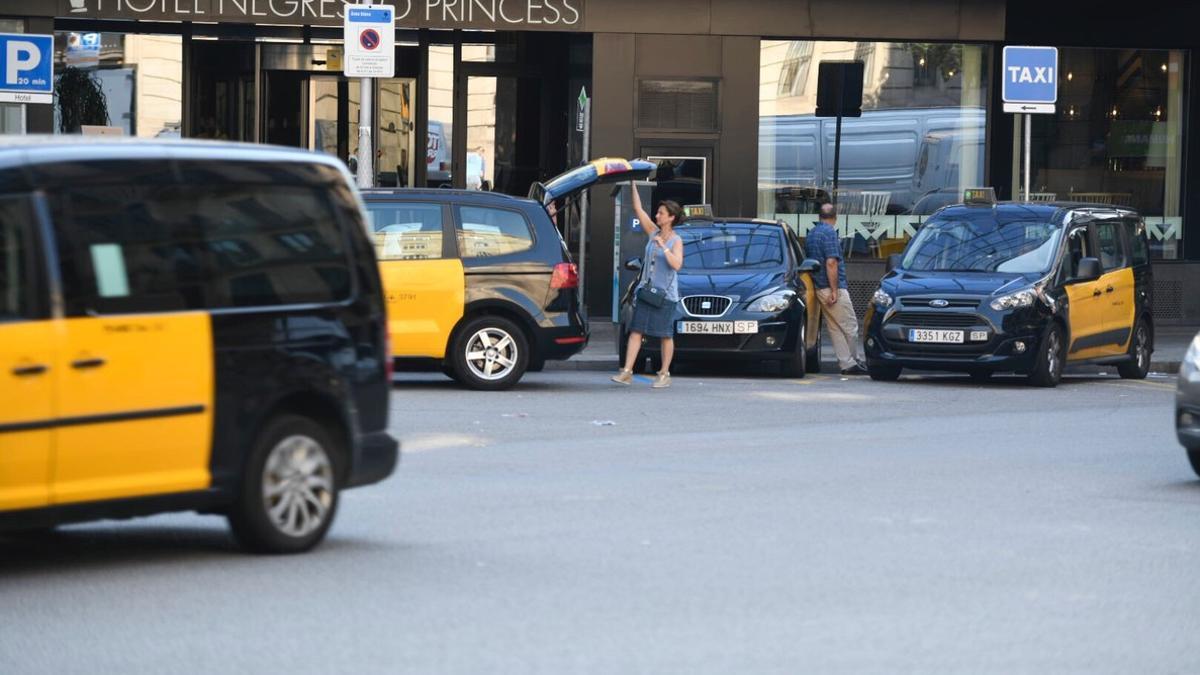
[(652, 295)]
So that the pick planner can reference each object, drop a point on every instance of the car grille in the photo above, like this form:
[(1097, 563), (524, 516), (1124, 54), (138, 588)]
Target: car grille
[(716, 305), (936, 319), (685, 342), (956, 303)]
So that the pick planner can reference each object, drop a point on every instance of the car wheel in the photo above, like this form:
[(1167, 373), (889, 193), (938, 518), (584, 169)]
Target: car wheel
[(1047, 371), (980, 375), (813, 355), (1194, 458), (794, 364), (289, 492), (881, 373), (1138, 365), (490, 353)]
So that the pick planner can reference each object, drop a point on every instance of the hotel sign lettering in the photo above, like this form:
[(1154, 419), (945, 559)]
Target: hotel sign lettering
[(560, 15)]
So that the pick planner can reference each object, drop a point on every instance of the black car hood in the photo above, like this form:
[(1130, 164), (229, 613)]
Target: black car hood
[(740, 286), (903, 283)]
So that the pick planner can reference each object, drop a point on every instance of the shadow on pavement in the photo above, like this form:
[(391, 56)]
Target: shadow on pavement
[(106, 545)]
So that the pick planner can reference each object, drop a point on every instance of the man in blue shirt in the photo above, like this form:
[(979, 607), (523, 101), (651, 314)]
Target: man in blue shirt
[(824, 246)]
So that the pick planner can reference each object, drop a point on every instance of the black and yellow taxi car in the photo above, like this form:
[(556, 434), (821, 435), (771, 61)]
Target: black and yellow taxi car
[(989, 287), (746, 294), (480, 284), (187, 326)]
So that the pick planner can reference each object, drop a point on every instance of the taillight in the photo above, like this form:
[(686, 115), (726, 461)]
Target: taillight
[(566, 275)]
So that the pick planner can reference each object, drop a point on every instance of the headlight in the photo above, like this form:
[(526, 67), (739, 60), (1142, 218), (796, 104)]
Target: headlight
[(1023, 298), (881, 299), (775, 302), (1190, 368)]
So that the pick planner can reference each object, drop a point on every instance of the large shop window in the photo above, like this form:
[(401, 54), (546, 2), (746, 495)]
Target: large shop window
[(918, 144), (115, 83), (1116, 138)]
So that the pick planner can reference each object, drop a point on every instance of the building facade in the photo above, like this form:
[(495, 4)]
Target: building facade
[(487, 95)]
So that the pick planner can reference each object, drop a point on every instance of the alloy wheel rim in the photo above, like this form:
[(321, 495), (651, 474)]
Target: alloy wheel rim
[(1052, 353), (491, 354), (298, 485), (1141, 348)]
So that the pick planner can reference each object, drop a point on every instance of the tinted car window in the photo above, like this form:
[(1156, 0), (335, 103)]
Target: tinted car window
[(406, 231), (719, 248), (1112, 249), (1078, 248), (983, 243), (1138, 248), (147, 248), (14, 259), (486, 232)]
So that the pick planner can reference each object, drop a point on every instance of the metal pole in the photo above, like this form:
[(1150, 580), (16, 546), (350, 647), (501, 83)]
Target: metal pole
[(837, 156), (366, 113), (583, 200), (1028, 146)]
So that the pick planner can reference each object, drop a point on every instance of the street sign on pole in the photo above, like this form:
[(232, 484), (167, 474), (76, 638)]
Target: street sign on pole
[(1029, 86), (26, 68), (839, 94), (1030, 79), (370, 36)]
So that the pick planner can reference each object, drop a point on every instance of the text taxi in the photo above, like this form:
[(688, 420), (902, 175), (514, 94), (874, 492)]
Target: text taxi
[(186, 326), (990, 287)]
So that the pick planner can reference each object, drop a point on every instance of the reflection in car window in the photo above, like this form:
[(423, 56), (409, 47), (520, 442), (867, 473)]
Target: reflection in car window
[(953, 244), (405, 231), (718, 248), (1108, 239), (13, 251), (485, 232)]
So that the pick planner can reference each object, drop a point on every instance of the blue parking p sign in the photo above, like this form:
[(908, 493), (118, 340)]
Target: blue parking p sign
[(1030, 79), (26, 68)]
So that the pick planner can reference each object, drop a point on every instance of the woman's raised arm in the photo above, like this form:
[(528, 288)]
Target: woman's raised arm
[(643, 217)]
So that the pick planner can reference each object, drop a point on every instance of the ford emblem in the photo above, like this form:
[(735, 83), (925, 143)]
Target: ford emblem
[(939, 303)]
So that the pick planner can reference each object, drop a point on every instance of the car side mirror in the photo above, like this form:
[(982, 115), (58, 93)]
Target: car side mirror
[(893, 261), (809, 265), (634, 264), (1088, 269)]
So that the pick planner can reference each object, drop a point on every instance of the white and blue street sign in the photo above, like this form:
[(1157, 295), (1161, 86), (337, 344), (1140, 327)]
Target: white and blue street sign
[(369, 32), (1030, 79), (26, 68)]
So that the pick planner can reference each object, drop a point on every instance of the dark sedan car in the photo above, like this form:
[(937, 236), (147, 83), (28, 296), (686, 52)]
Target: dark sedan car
[(745, 291)]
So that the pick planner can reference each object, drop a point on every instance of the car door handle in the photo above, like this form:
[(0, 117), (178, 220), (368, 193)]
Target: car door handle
[(29, 371), (1109, 289), (1096, 293), (84, 364)]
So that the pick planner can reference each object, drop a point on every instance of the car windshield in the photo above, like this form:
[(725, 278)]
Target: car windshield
[(957, 243), (732, 247)]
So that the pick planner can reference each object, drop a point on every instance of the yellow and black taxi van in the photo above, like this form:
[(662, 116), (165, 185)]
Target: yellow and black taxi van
[(989, 287), (187, 326), (480, 284)]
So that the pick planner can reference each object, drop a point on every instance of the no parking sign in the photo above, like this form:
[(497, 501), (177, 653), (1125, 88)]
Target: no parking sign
[(370, 36)]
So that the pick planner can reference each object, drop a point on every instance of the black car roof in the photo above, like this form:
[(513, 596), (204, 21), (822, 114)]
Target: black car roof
[(444, 193), (43, 149), (1051, 212)]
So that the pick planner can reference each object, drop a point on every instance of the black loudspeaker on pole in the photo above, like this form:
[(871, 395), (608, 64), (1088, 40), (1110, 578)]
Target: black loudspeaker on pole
[(839, 94)]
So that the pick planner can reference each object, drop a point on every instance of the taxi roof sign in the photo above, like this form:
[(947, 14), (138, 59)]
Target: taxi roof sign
[(979, 195)]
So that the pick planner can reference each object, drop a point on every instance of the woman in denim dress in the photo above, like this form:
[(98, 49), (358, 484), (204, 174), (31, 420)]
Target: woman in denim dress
[(662, 262)]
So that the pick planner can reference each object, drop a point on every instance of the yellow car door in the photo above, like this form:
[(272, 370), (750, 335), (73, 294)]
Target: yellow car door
[(135, 405), (135, 357), (423, 278), (1118, 287), (1086, 302), (27, 339)]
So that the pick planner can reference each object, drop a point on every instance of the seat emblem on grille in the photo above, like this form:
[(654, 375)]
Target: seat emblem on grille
[(939, 303), (706, 305)]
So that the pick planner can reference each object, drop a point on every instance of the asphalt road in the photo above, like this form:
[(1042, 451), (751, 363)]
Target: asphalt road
[(727, 525)]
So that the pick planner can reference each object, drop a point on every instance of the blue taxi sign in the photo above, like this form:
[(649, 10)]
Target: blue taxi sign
[(1029, 79)]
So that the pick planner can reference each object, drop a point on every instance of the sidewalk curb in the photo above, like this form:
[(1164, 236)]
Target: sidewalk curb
[(602, 365)]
